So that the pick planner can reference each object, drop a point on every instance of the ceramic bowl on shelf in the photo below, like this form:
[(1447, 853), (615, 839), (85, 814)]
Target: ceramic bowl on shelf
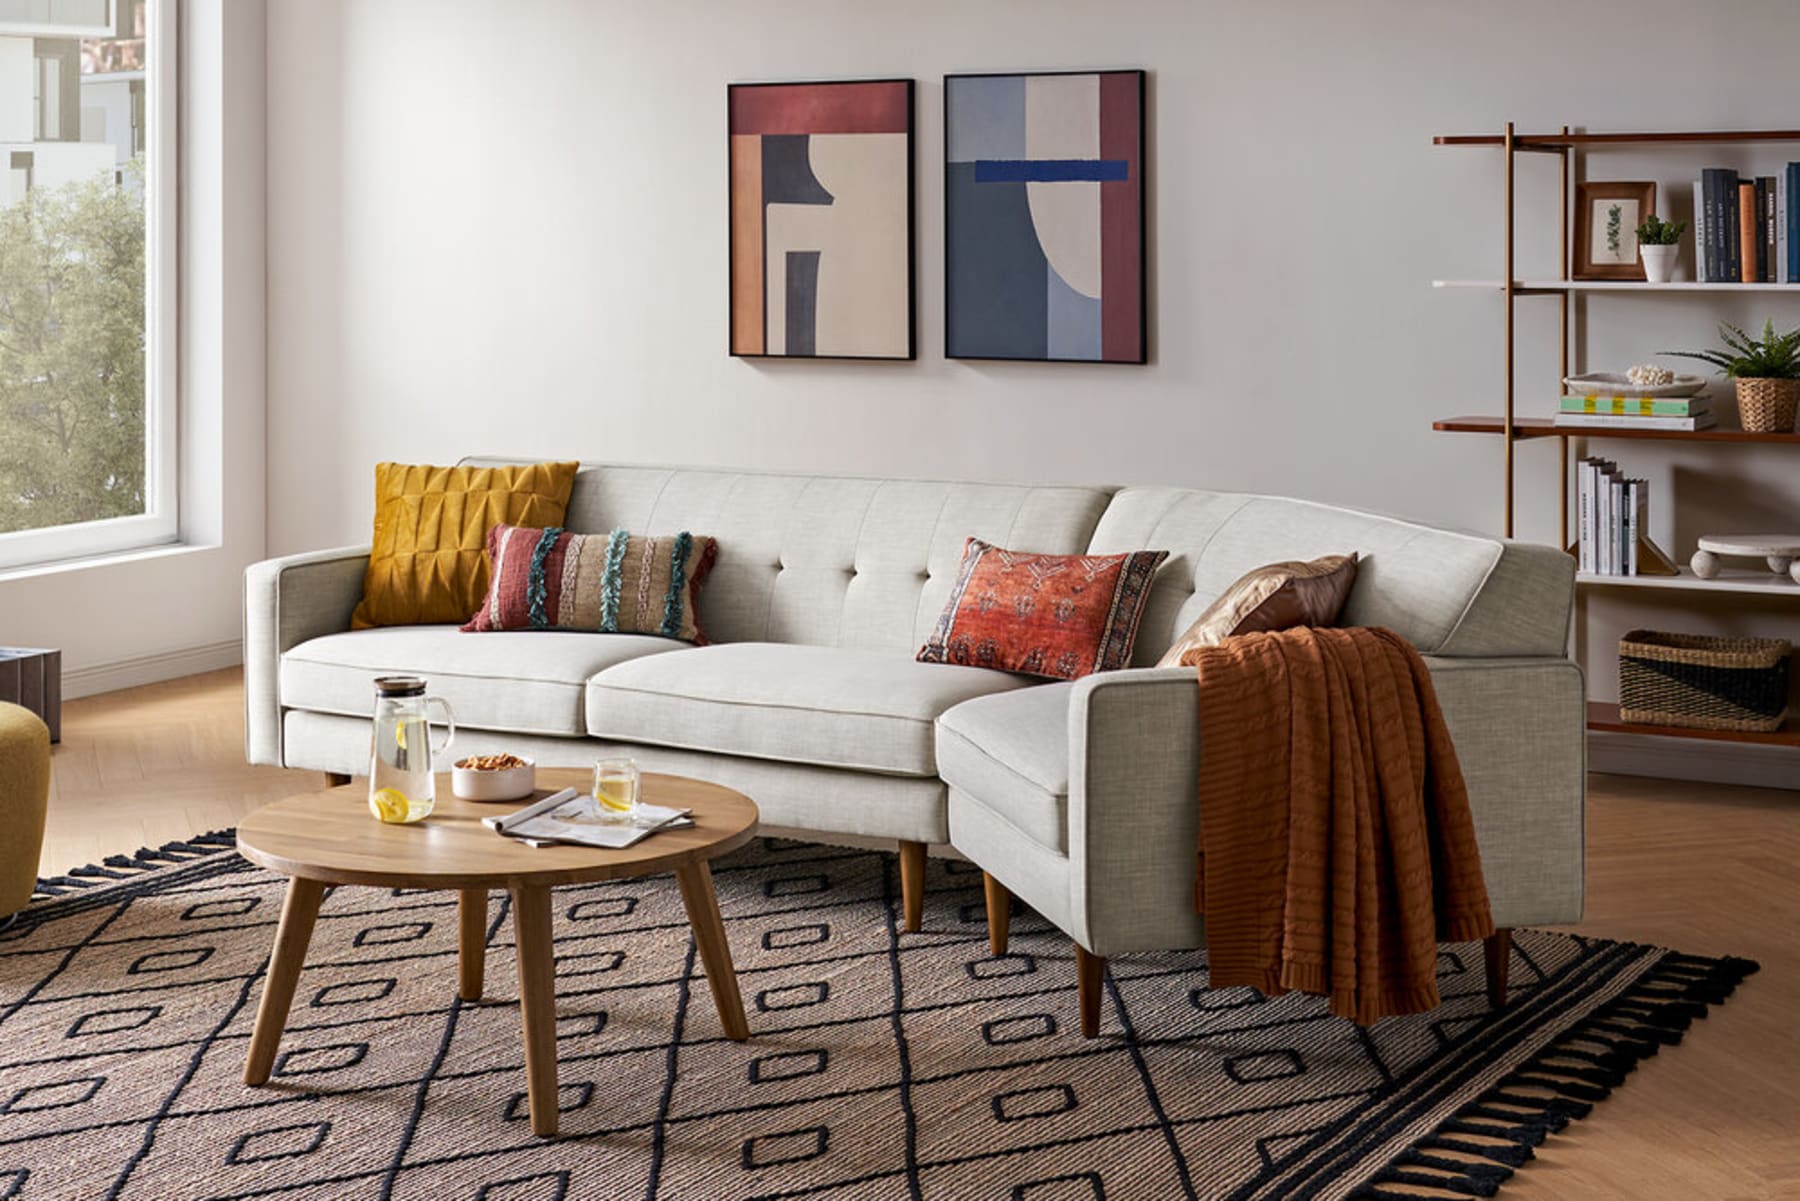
[(1615, 383), (472, 779)]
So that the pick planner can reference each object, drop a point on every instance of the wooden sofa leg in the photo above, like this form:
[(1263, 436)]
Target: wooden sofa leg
[(335, 780), (1090, 973), (999, 913), (912, 883), (1497, 948)]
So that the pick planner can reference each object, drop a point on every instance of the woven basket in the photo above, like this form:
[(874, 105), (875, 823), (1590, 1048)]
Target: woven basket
[(1702, 683), (1768, 406)]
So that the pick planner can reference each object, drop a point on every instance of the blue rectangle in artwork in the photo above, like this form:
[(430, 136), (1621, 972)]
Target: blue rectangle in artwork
[(1050, 170)]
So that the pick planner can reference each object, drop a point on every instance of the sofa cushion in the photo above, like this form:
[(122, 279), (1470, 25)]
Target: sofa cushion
[(1011, 753), (865, 710), (530, 682)]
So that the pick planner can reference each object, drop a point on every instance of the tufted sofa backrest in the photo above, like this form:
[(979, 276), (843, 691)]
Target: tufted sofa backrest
[(1448, 593), (828, 560)]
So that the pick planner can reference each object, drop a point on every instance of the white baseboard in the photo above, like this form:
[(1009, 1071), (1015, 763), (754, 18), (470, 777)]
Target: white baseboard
[(1694, 759), (150, 669)]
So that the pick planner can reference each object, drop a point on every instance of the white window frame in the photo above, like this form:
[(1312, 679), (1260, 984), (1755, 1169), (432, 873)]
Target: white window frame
[(159, 524)]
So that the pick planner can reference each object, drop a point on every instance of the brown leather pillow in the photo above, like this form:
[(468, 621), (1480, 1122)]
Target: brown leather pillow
[(1277, 597)]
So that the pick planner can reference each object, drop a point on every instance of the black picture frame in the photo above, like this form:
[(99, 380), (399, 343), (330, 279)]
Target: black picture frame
[(732, 224), (1143, 222)]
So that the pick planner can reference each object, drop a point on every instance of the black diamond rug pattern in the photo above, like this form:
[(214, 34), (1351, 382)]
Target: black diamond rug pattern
[(880, 1064)]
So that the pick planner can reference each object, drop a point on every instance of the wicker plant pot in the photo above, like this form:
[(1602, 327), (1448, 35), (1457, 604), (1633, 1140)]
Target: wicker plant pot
[(1703, 683), (1768, 406)]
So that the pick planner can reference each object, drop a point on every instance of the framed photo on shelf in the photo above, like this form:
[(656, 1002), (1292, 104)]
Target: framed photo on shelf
[(822, 219), (1606, 219)]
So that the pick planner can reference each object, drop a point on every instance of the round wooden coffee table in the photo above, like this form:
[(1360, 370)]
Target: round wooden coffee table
[(330, 837)]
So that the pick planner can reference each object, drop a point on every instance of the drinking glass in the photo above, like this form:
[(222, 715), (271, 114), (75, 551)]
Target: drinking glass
[(616, 789)]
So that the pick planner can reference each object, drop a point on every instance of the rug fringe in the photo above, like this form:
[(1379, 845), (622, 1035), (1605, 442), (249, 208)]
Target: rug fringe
[(1492, 1136), (130, 867)]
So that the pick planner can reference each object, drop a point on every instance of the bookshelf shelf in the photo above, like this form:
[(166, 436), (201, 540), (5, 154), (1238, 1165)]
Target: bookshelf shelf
[(1545, 427), (1567, 140), (1551, 287), (1604, 716), (1730, 579)]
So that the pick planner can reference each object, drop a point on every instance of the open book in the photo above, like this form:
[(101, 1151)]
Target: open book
[(574, 817)]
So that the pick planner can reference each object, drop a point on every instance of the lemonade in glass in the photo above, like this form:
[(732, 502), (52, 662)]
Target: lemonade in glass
[(616, 789)]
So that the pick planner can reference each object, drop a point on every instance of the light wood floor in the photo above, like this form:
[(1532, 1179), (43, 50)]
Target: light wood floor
[(1709, 869)]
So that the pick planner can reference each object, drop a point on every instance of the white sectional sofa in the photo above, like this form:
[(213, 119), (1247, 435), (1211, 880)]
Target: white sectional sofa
[(1077, 797)]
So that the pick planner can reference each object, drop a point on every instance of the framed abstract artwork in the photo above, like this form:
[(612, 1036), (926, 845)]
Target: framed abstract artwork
[(1044, 217), (822, 219)]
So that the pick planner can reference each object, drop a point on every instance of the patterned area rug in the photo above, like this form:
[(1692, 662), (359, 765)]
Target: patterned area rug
[(880, 1064)]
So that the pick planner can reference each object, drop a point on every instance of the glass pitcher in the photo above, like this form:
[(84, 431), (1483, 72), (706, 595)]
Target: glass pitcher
[(401, 786)]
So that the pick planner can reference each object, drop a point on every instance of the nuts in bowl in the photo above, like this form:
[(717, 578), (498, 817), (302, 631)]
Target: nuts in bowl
[(498, 777)]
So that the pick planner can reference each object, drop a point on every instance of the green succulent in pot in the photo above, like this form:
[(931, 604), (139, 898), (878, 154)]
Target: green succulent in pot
[(1766, 371)]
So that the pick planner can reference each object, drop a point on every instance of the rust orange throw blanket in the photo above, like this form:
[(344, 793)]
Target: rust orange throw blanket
[(1336, 846)]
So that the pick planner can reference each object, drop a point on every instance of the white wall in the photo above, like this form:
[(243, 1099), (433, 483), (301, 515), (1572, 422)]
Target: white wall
[(502, 227), (167, 613)]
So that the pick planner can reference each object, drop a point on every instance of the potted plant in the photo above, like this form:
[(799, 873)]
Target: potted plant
[(1767, 372), (1659, 242)]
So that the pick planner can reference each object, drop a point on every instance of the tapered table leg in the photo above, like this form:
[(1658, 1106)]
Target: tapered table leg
[(471, 942), (715, 953), (298, 913), (537, 1002)]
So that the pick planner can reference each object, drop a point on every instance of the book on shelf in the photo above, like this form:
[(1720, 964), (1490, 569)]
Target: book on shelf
[(1613, 522), (1792, 174), (1747, 229), (1703, 255), (1769, 197), (1698, 421), (1748, 240), (1636, 406), (1782, 274)]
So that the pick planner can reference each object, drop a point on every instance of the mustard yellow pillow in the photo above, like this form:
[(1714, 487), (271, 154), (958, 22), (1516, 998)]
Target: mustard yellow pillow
[(429, 560)]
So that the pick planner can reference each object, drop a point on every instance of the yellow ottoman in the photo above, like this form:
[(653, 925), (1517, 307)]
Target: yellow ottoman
[(24, 796)]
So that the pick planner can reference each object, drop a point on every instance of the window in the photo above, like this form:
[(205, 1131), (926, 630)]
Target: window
[(87, 370)]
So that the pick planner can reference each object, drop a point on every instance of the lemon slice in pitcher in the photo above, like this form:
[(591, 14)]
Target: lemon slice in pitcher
[(390, 804)]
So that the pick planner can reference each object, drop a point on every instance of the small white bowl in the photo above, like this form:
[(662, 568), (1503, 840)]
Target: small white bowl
[(506, 784)]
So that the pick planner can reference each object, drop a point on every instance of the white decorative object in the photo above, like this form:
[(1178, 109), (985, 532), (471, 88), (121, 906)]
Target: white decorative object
[(1659, 262), (489, 784), (1649, 375), (1780, 551), (1613, 383)]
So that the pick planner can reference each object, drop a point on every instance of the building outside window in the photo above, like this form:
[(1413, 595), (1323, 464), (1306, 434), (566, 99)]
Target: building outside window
[(87, 405)]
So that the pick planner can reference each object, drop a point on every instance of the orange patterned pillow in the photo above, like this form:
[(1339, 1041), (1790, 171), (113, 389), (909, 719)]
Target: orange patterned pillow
[(429, 561), (1061, 616)]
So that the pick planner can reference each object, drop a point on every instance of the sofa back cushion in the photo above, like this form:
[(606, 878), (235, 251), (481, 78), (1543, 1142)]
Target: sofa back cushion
[(829, 560), (1448, 593)]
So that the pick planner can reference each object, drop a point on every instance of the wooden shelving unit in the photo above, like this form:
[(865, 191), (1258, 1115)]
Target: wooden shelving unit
[(1514, 429)]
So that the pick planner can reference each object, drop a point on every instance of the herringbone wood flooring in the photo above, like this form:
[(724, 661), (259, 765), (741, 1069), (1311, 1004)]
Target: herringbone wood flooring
[(1709, 869)]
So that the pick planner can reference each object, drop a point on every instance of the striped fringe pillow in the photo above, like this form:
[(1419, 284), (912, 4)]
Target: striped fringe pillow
[(613, 583)]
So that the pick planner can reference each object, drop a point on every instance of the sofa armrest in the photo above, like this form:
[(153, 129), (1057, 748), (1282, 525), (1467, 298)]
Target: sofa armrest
[(1135, 746), (1134, 764), (286, 602), (1520, 729)]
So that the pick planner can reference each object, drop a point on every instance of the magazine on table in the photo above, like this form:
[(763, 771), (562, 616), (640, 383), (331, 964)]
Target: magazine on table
[(570, 816)]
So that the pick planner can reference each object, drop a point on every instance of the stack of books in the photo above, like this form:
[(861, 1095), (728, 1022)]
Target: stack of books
[(1747, 230), (1596, 411), (1614, 517)]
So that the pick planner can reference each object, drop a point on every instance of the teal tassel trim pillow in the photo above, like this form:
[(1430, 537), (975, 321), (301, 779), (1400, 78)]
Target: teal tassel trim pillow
[(613, 583)]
